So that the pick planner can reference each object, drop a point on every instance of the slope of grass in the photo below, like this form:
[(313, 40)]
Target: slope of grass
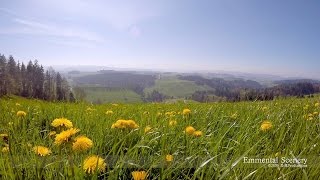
[(231, 132), (103, 95), (172, 86)]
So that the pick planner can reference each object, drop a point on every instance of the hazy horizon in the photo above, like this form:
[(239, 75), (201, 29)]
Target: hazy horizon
[(264, 37)]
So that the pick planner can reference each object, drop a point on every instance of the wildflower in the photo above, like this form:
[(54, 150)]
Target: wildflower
[(65, 136), (52, 133), (61, 122), (89, 109), (41, 150), (21, 114), (132, 124), (169, 157), (190, 130), (5, 149), (5, 137), (266, 125), (17, 104), (139, 175), (186, 111), (94, 163), (159, 114), (197, 133), (316, 104), (234, 116), (109, 112), (147, 129), (264, 108), (172, 123), (10, 123), (170, 114), (82, 143), (122, 124)]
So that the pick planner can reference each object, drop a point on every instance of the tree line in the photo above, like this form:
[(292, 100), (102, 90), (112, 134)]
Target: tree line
[(297, 89), (32, 81)]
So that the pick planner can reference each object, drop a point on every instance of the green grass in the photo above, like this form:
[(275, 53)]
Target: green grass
[(218, 154), (172, 86), (103, 95)]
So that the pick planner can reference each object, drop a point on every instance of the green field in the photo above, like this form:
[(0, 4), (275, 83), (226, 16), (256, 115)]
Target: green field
[(172, 86), (104, 95), (228, 133)]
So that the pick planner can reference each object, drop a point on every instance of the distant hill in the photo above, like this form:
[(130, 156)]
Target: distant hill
[(295, 81), (136, 86), (116, 79)]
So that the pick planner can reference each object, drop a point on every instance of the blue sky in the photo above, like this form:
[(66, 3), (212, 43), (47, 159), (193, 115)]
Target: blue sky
[(260, 36)]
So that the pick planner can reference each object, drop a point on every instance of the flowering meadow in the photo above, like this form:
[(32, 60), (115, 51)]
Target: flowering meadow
[(46, 140)]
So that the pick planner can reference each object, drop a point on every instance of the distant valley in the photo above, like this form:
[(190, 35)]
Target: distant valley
[(131, 86)]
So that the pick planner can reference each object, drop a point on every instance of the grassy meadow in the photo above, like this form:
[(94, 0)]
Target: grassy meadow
[(175, 87), (104, 95), (164, 141)]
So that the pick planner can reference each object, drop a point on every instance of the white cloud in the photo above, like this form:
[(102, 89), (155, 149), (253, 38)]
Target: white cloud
[(117, 14), (37, 28)]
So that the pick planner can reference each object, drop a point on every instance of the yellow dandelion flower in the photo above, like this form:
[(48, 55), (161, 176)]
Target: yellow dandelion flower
[(21, 114), (122, 124), (132, 124), (65, 136), (52, 133), (5, 149), (170, 114), (147, 129), (109, 112), (197, 133), (190, 130), (265, 125), (82, 143), (234, 116), (41, 150), (4, 137), (172, 123), (94, 163), (169, 157), (139, 175), (89, 109), (186, 112), (61, 122)]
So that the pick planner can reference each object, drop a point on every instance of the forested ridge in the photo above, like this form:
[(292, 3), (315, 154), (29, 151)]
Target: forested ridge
[(32, 81)]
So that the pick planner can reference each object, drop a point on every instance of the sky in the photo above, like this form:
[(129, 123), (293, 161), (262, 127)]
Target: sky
[(280, 37)]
